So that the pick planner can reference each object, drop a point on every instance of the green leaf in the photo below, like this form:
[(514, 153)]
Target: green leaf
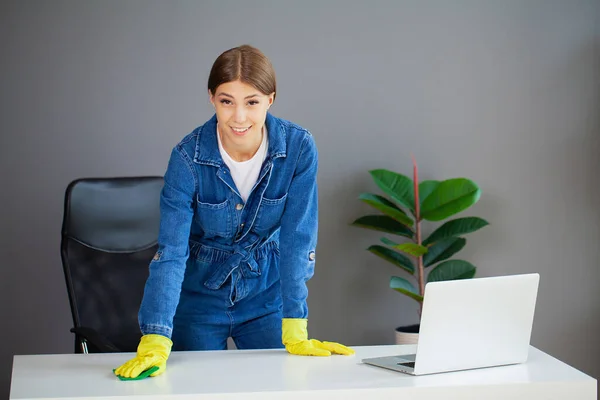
[(397, 186), (400, 260), (450, 197), (412, 248), (405, 287), (387, 207), (443, 250), (388, 242), (383, 223), (456, 227), (451, 270), (426, 188)]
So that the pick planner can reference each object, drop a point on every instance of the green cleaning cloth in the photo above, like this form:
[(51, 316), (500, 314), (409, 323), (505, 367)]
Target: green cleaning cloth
[(143, 375)]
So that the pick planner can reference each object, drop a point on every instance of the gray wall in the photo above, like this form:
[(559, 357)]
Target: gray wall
[(504, 92)]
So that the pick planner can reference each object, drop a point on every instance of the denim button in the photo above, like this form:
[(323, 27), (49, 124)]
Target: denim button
[(239, 206), (311, 255), (239, 234)]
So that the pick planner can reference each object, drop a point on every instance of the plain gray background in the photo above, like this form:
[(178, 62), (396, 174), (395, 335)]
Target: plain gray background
[(506, 93)]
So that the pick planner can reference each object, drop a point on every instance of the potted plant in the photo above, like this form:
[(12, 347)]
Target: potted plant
[(424, 259)]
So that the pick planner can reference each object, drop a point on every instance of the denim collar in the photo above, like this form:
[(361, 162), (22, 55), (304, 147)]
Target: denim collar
[(207, 146)]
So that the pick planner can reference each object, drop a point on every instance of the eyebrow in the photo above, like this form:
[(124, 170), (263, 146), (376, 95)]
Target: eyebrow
[(228, 95)]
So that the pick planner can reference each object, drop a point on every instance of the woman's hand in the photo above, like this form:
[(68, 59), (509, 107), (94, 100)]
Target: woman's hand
[(295, 339), (153, 351)]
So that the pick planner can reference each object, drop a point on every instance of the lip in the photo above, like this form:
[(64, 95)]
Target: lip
[(240, 133)]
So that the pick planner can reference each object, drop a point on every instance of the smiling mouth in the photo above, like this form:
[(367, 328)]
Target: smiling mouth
[(241, 130)]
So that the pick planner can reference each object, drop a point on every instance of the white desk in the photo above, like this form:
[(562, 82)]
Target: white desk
[(274, 374)]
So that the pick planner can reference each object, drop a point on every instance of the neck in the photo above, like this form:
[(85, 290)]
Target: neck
[(242, 152)]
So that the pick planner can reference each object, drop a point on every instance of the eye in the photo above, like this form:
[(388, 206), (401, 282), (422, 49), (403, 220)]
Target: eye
[(253, 102), (225, 101)]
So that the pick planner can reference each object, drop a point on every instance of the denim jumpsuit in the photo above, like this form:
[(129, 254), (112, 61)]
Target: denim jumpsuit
[(228, 268)]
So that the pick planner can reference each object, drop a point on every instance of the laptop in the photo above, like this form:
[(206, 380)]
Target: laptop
[(470, 324)]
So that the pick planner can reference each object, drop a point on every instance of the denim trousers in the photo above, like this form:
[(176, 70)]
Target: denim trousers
[(207, 317)]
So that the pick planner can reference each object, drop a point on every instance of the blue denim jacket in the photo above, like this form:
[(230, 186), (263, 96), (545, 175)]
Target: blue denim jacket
[(200, 205)]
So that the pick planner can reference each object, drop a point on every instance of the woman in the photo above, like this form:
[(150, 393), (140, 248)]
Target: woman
[(238, 228)]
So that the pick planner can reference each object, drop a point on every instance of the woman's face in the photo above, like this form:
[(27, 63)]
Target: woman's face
[(241, 112)]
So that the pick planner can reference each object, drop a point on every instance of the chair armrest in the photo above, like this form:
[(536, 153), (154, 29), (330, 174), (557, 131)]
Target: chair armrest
[(95, 339)]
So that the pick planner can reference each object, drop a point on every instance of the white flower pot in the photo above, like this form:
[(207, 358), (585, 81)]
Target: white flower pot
[(407, 334)]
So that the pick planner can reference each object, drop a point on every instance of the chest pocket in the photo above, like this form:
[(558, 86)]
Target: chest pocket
[(215, 219), (269, 213)]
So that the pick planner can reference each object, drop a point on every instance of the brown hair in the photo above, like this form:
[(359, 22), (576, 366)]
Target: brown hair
[(244, 63)]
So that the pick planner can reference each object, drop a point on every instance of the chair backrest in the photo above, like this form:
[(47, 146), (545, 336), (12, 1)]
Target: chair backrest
[(109, 236)]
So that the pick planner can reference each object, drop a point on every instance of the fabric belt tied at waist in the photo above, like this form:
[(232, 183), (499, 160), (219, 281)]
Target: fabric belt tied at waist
[(243, 258)]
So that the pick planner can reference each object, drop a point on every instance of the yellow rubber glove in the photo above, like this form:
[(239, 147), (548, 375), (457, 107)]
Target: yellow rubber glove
[(295, 338), (153, 351)]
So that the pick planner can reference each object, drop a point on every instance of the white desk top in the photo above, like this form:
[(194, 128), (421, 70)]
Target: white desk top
[(274, 374)]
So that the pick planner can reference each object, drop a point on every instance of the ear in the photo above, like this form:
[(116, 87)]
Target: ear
[(211, 97), (271, 99)]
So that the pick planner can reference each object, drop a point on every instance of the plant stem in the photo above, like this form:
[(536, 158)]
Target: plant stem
[(421, 269), (418, 233)]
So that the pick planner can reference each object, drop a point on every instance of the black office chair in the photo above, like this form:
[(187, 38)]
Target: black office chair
[(109, 236)]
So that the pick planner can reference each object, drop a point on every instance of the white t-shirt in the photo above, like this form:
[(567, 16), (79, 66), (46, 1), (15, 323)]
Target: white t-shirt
[(245, 173)]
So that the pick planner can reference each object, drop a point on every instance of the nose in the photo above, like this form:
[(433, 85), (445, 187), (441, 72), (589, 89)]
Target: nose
[(239, 115)]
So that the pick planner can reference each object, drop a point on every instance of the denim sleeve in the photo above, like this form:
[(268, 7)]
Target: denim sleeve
[(167, 268), (298, 234)]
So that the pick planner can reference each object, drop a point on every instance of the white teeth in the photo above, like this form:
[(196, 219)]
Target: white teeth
[(240, 129)]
